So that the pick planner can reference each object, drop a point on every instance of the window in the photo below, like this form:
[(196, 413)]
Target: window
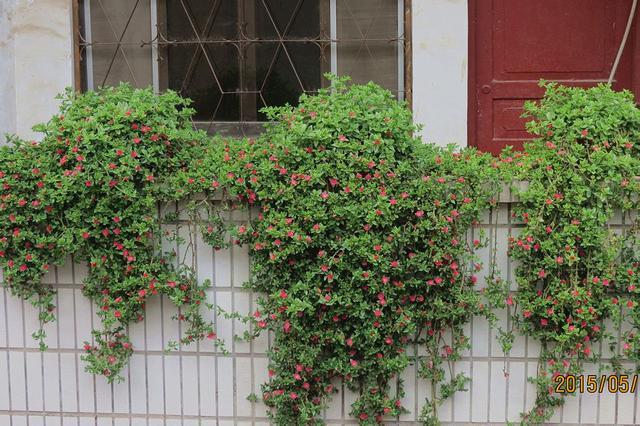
[(234, 57)]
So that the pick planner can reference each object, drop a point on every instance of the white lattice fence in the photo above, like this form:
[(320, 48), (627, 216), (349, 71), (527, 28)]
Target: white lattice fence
[(198, 385)]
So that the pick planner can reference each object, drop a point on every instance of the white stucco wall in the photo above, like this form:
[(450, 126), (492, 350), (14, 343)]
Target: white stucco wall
[(440, 75), (7, 87), (36, 61)]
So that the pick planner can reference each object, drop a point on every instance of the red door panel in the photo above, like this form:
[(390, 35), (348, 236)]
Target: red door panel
[(515, 43)]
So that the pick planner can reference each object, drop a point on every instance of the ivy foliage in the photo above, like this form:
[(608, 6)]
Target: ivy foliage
[(90, 188), (576, 267), (358, 247)]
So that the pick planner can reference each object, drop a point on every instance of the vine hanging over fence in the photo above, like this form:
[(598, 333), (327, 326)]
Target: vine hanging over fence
[(91, 189), (359, 235), (359, 249), (576, 270)]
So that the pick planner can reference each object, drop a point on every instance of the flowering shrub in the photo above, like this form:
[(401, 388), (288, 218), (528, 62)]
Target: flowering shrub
[(575, 271), (90, 189), (358, 248), (359, 243)]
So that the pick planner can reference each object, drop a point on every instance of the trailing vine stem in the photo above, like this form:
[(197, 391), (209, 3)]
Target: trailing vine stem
[(574, 270)]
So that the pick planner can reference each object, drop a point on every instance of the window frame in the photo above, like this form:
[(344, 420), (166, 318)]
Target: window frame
[(82, 79)]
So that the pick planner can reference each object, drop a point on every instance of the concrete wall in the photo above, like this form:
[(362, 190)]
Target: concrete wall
[(36, 61), (7, 69), (440, 60)]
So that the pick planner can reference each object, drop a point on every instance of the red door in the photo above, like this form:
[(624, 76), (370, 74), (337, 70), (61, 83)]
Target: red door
[(515, 43)]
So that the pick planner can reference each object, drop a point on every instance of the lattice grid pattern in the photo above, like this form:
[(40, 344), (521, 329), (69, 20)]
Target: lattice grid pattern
[(201, 386), (234, 57)]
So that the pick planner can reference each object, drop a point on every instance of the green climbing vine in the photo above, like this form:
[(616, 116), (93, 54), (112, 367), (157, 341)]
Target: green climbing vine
[(90, 188), (359, 248), (575, 267), (360, 236)]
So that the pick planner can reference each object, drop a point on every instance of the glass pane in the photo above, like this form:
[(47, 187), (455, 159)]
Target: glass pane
[(213, 20), (284, 70), (234, 57), (209, 77), (292, 18), (120, 20), (198, 61), (368, 49)]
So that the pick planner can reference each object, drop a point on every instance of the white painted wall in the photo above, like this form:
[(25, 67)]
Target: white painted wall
[(200, 386), (440, 62), (36, 61), (7, 87)]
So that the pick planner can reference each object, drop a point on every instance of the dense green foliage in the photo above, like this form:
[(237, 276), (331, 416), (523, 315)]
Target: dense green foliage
[(359, 248), (358, 236), (573, 274), (90, 189)]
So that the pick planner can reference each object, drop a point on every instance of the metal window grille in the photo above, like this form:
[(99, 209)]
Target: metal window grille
[(234, 57)]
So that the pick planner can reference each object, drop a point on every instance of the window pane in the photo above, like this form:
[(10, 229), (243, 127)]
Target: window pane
[(286, 70), (198, 63), (123, 21), (368, 48), (213, 20), (232, 58)]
